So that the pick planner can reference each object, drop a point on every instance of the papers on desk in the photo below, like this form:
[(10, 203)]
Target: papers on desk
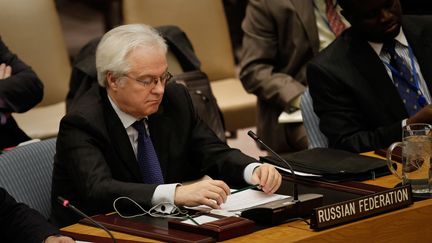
[(246, 199), (293, 117), (200, 220)]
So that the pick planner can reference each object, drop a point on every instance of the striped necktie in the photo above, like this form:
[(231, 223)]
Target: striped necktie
[(146, 156), (334, 19)]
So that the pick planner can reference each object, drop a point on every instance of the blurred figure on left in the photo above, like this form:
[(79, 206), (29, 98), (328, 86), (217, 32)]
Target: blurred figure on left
[(19, 223), (20, 90)]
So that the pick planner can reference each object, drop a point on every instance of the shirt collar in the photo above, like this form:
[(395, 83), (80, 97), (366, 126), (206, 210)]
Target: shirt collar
[(126, 119), (377, 47)]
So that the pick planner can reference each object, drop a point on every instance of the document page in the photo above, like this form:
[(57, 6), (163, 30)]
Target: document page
[(200, 220), (246, 199)]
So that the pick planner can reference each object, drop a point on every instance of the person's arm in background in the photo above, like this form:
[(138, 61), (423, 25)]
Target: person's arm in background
[(21, 89), (261, 61), (422, 116), (19, 223)]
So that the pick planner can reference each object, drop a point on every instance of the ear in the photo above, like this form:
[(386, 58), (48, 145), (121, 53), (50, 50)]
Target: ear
[(111, 81)]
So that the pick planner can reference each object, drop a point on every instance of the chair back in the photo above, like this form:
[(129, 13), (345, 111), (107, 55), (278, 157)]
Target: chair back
[(315, 137), (31, 29), (203, 21), (26, 172)]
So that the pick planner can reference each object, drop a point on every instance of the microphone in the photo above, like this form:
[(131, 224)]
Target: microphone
[(256, 138), (66, 204), (281, 210)]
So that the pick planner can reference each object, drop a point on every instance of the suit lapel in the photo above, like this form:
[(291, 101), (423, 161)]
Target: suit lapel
[(119, 138), (372, 69), (305, 11), (159, 127)]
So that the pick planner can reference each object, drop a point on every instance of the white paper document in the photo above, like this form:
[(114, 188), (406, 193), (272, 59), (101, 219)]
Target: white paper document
[(246, 199), (200, 220)]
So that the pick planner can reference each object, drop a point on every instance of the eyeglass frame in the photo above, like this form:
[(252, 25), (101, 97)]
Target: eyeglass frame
[(154, 80)]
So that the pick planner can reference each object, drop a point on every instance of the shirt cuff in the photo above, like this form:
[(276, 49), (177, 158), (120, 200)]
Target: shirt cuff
[(404, 121), (248, 172), (164, 194)]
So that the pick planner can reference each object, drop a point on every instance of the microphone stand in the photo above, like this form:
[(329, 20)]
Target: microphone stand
[(66, 204), (295, 188), (280, 210)]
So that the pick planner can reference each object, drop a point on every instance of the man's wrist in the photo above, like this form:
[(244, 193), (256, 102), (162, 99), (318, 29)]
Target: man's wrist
[(248, 171)]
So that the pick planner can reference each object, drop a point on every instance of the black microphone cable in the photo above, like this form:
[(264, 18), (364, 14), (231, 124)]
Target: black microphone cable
[(66, 204)]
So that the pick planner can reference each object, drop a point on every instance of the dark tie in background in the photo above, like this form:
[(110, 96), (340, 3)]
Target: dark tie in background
[(146, 155), (334, 19), (403, 79)]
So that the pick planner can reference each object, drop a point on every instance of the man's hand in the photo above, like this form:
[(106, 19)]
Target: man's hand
[(5, 71), (267, 177), (58, 239), (207, 192), (422, 116)]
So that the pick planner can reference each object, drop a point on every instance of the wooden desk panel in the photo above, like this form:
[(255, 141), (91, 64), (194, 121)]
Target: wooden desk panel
[(412, 224), (87, 230)]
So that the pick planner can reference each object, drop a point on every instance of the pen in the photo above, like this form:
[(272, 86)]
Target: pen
[(245, 188), (193, 220)]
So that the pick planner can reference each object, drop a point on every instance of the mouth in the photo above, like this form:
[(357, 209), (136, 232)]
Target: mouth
[(392, 28), (154, 101)]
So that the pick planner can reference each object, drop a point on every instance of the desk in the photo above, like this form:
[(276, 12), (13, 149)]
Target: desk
[(412, 224)]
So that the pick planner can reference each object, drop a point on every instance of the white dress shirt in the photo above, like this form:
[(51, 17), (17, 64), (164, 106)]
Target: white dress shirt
[(325, 35)]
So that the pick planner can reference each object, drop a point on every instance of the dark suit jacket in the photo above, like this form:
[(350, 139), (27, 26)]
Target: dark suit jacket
[(95, 162), (359, 107), (19, 223), (280, 37), (20, 92)]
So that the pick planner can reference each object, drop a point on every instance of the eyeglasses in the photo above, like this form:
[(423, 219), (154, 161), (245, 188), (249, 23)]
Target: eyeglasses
[(151, 81)]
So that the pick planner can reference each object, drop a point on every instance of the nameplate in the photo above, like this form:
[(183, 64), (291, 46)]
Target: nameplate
[(348, 211)]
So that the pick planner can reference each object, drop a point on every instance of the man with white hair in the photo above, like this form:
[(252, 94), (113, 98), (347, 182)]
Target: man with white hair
[(137, 135)]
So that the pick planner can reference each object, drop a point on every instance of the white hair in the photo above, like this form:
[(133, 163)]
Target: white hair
[(117, 43)]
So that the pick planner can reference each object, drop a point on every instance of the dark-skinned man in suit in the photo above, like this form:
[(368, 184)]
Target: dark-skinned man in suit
[(360, 94)]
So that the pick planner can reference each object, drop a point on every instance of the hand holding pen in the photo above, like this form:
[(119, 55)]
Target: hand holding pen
[(267, 177)]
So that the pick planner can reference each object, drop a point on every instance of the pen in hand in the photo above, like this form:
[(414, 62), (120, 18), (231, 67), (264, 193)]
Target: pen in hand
[(246, 188)]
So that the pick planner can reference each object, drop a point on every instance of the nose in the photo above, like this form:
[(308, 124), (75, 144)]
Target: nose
[(385, 16), (159, 88)]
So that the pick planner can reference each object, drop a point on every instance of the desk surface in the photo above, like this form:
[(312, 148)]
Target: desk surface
[(410, 224)]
